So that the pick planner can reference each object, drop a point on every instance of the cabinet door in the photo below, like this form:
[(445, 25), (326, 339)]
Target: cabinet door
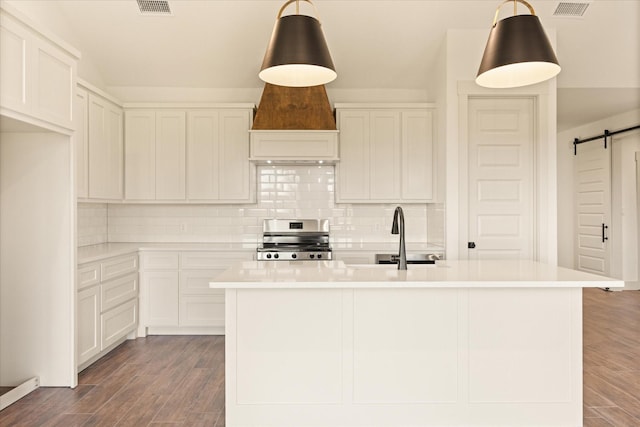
[(53, 84), (202, 155), (88, 329), (202, 310), (233, 157), (384, 152), (162, 297), (15, 46), (81, 140), (353, 168), (105, 149), (140, 155), (170, 155), (418, 163)]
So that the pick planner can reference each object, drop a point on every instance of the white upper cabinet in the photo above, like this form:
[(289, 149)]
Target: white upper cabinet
[(81, 140), (386, 154), (218, 167), (38, 74), (418, 161), (105, 149), (192, 155), (155, 155)]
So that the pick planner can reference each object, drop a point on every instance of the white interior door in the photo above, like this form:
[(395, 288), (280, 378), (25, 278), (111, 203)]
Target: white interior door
[(501, 178), (593, 207)]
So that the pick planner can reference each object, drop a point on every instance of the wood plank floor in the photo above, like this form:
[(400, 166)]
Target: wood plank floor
[(179, 380)]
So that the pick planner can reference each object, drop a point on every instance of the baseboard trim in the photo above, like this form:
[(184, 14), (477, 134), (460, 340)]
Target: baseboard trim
[(15, 394)]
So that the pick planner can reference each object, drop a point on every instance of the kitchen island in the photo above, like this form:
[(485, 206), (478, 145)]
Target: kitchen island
[(458, 343)]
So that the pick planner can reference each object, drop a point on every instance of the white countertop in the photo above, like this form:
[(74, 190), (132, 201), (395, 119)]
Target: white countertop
[(445, 274), (101, 251), (94, 253)]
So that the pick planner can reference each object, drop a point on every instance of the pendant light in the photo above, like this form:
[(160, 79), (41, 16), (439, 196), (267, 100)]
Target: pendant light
[(518, 52), (297, 55)]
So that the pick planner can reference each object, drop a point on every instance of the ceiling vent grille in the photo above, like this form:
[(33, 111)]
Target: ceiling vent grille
[(570, 9), (154, 7)]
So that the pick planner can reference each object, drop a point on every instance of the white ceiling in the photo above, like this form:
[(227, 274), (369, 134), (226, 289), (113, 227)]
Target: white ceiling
[(375, 44)]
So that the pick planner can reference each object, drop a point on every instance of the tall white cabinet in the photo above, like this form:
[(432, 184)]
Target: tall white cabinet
[(387, 153), (105, 149)]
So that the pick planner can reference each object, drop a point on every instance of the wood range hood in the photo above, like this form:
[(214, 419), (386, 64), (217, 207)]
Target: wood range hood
[(294, 125)]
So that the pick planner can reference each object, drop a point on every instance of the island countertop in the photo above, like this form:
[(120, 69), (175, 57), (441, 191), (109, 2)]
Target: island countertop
[(444, 274)]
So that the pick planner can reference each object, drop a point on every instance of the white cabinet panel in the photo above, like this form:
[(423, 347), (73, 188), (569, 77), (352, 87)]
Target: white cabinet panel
[(202, 310), (89, 337), (105, 149), (118, 266), (117, 291), (203, 145), (162, 298), (234, 169), (386, 155), (353, 169), (140, 155), (197, 281), (218, 167), (418, 162), (384, 160), (81, 140), (38, 74), (15, 90), (159, 260), (170, 155), (155, 155), (118, 322), (88, 275), (54, 85)]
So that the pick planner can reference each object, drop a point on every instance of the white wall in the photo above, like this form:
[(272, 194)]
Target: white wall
[(37, 259), (566, 200)]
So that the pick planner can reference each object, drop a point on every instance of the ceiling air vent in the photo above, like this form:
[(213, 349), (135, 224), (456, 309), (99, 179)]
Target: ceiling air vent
[(570, 9), (154, 7)]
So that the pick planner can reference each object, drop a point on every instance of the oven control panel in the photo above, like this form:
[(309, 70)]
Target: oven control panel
[(294, 256)]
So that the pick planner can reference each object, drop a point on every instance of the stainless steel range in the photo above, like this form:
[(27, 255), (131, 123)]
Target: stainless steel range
[(295, 240)]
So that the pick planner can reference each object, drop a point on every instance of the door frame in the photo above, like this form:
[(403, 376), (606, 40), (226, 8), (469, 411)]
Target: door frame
[(544, 173)]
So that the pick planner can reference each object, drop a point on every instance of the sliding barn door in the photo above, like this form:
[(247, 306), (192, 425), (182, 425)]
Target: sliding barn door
[(501, 208), (593, 207)]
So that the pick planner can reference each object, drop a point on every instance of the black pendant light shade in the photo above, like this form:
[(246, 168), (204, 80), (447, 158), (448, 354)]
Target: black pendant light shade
[(297, 55), (518, 53)]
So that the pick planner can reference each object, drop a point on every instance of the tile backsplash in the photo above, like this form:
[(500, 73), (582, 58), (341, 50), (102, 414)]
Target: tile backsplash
[(92, 223), (282, 192)]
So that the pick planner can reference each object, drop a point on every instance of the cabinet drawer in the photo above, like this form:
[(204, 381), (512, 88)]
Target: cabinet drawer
[(215, 260), (117, 291), (118, 322), (119, 266), (197, 281), (88, 275), (202, 310), (159, 261)]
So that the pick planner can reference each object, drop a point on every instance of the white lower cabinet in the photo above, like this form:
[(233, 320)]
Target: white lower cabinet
[(107, 306), (175, 293), (161, 297), (89, 329)]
